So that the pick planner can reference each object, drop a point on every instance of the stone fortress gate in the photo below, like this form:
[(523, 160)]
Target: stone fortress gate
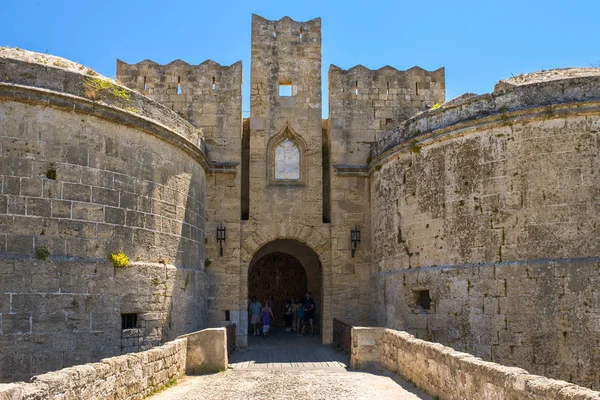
[(478, 219)]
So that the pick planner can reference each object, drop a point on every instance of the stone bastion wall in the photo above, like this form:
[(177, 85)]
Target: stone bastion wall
[(89, 168), (485, 224)]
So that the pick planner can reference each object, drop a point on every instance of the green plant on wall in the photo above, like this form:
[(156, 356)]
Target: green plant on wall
[(415, 147), (119, 260), (435, 106), (51, 174), (96, 88), (42, 253)]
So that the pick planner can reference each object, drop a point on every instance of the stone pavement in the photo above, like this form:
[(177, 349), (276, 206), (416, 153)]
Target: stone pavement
[(285, 366), (290, 384), (287, 350)]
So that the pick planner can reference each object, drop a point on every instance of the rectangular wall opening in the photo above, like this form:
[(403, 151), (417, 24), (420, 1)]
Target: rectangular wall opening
[(424, 300), (245, 195), (285, 89), (128, 321), (325, 147)]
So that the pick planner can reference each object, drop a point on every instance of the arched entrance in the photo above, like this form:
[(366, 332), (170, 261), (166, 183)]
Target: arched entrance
[(279, 275), (286, 269)]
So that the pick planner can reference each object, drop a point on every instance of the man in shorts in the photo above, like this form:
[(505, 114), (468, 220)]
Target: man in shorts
[(254, 309), (309, 313)]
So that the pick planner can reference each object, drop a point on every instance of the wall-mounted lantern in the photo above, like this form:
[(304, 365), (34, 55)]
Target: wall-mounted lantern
[(221, 237), (354, 239)]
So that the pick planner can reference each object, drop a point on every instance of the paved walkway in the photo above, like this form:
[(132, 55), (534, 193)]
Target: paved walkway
[(290, 384), (287, 350), (285, 366)]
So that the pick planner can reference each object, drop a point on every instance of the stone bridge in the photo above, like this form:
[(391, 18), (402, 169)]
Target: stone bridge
[(383, 363)]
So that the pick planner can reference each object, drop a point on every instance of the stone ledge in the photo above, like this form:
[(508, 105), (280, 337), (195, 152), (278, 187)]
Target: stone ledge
[(450, 374), (69, 102), (131, 376), (502, 105)]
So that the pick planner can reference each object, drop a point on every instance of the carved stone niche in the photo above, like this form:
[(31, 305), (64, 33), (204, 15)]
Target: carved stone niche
[(286, 159)]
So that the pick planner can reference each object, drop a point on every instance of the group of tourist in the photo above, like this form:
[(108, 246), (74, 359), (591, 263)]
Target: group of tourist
[(297, 314)]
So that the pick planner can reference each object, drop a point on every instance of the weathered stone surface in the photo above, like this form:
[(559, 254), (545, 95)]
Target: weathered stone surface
[(81, 175), (484, 210), (132, 376), (492, 210), (448, 374), (206, 351)]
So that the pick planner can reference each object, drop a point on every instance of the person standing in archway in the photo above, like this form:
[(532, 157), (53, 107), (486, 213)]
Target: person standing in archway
[(266, 318), (255, 309), (309, 313), (294, 315), (299, 315), (288, 315)]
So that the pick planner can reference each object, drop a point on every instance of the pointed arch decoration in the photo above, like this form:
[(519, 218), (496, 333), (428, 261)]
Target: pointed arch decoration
[(286, 155)]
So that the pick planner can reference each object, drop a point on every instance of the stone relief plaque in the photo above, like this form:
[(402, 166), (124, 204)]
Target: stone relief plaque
[(287, 161)]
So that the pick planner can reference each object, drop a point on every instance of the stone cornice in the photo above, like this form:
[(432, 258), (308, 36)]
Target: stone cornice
[(470, 126), (71, 103)]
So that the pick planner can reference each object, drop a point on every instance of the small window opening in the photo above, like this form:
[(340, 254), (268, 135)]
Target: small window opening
[(417, 88), (424, 299), (227, 316), (301, 32), (387, 91), (274, 30), (145, 86), (179, 91), (128, 321), (285, 89), (214, 83), (356, 88)]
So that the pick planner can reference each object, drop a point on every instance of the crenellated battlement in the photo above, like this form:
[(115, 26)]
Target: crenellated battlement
[(364, 103), (533, 95), (386, 84), (209, 95), (299, 31)]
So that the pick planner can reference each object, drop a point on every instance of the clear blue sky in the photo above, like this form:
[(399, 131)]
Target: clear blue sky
[(479, 42)]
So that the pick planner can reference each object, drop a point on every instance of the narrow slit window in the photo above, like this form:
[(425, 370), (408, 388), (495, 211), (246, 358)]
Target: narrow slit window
[(274, 30), (285, 90), (424, 299), (356, 88), (179, 91), (214, 83), (145, 86), (128, 321), (227, 315), (417, 88), (301, 32), (387, 91)]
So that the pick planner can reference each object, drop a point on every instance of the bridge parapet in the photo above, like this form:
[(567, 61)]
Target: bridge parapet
[(444, 372), (131, 376)]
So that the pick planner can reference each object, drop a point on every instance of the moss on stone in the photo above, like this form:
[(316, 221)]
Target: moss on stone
[(96, 88)]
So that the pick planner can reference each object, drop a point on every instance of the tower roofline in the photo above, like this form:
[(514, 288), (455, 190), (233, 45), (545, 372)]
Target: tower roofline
[(286, 18), (180, 62), (357, 67)]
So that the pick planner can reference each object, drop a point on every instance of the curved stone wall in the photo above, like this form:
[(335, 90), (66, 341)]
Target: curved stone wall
[(90, 168), (491, 205)]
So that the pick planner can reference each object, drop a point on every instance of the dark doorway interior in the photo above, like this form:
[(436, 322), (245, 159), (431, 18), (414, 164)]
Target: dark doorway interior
[(280, 275)]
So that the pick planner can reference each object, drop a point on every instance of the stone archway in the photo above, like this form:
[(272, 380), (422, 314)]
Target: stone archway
[(298, 241), (287, 268)]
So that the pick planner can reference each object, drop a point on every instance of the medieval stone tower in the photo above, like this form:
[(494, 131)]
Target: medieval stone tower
[(287, 185), (471, 222)]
